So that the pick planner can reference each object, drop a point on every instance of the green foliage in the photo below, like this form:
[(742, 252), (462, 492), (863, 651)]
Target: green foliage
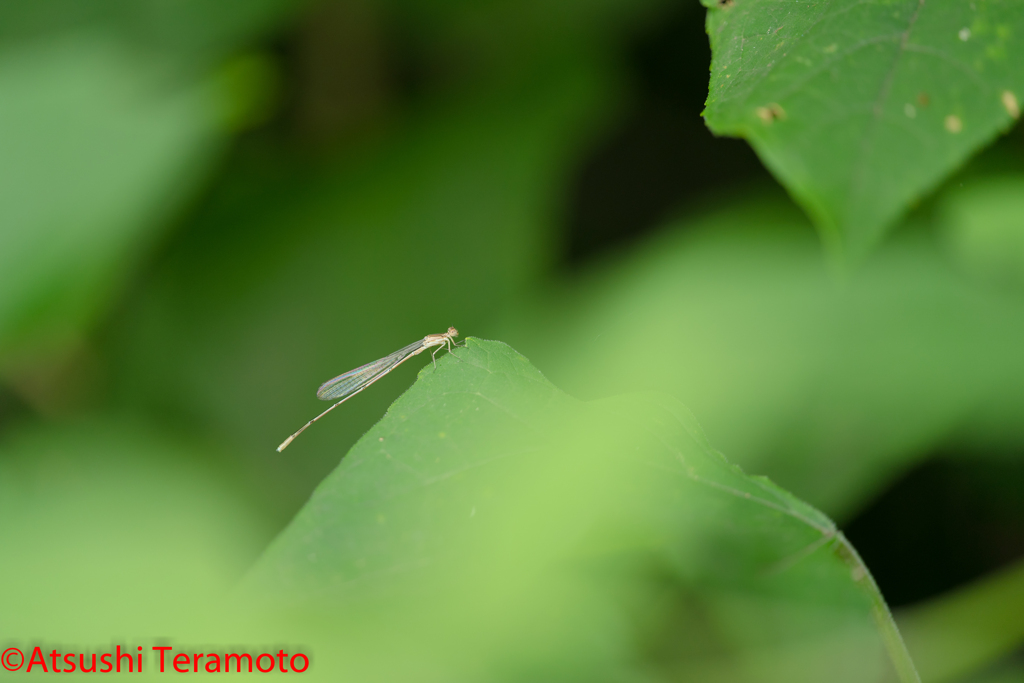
[(985, 229), (963, 632), (588, 536), (860, 108), (377, 252), (92, 154), (189, 32), (115, 529), (831, 387), (182, 262)]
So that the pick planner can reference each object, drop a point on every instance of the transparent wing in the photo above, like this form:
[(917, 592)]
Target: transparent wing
[(343, 385)]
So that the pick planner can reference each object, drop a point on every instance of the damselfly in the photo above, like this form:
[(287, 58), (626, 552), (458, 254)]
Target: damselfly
[(344, 387)]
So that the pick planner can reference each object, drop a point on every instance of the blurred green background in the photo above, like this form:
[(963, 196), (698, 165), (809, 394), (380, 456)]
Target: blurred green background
[(207, 210)]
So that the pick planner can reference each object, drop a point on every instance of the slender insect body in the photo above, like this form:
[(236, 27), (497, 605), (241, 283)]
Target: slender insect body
[(344, 387)]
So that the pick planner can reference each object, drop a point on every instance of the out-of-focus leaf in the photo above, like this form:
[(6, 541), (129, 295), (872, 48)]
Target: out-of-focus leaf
[(287, 279), (111, 531), (860, 107), (832, 388), (491, 526), (1009, 672), (94, 154), (984, 229), (505, 26), (189, 31), (956, 634)]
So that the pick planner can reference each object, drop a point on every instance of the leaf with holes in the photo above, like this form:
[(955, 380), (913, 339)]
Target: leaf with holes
[(859, 108), (492, 524)]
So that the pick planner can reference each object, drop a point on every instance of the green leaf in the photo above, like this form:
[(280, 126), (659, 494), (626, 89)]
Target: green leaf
[(984, 229), (966, 630), (490, 523), (831, 388), (113, 531), (859, 108), (93, 155), (438, 221), (188, 31)]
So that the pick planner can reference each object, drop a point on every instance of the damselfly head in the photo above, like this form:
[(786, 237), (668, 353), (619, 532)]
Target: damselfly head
[(452, 332)]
